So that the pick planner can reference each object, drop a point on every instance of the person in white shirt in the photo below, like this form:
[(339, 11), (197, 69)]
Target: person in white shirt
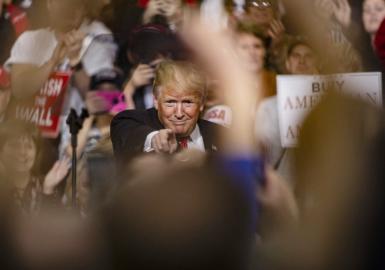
[(36, 54)]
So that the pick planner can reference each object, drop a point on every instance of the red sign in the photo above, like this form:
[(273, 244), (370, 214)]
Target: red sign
[(18, 18), (5, 81), (45, 110)]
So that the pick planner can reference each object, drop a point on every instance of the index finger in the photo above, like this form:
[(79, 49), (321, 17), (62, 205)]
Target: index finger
[(170, 133)]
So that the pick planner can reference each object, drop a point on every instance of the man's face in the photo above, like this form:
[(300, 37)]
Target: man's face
[(178, 111), (66, 15), (251, 52), (301, 61), (373, 14)]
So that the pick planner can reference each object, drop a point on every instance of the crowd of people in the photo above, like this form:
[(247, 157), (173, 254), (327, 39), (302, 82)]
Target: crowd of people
[(145, 134)]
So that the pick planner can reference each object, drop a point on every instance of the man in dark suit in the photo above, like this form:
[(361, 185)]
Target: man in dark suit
[(179, 96)]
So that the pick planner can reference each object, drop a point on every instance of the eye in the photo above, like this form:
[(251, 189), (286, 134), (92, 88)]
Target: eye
[(170, 103), (188, 103)]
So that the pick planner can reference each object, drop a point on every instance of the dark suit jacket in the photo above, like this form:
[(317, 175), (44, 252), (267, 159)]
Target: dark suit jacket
[(130, 128)]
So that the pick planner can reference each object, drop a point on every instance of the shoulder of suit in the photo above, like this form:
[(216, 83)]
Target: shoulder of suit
[(145, 116), (209, 125), (134, 113), (126, 114)]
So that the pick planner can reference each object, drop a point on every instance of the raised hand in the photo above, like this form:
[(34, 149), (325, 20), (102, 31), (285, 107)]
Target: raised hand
[(276, 30), (55, 175), (216, 51), (342, 12), (154, 7), (73, 41), (142, 75)]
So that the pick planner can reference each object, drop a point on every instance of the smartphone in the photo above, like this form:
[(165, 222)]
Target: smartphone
[(112, 98)]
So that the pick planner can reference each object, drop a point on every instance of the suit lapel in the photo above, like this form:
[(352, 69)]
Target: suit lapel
[(208, 135)]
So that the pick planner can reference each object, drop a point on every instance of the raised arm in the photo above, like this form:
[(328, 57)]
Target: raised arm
[(27, 79)]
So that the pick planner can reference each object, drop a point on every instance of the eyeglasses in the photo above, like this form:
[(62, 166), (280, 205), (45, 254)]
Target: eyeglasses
[(262, 4)]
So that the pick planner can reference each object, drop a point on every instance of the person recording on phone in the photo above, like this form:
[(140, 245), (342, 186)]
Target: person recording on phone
[(103, 101), (174, 124), (148, 45)]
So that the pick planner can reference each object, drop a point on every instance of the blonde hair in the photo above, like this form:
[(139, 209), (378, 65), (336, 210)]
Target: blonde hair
[(180, 76)]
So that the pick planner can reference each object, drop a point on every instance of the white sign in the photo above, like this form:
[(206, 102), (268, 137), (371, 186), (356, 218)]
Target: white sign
[(299, 94)]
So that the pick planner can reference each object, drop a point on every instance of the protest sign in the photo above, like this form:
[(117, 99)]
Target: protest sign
[(219, 114), (297, 95), (45, 108)]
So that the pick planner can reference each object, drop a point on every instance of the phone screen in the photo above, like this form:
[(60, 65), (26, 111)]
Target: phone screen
[(112, 97)]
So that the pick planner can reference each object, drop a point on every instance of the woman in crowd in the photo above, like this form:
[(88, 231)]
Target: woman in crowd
[(19, 167), (373, 13), (251, 49)]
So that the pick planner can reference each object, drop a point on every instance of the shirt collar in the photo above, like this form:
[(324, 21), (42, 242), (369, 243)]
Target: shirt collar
[(195, 134)]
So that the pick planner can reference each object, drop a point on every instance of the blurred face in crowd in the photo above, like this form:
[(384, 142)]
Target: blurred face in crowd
[(251, 51), (18, 154), (301, 60), (169, 8), (178, 110), (66, 15), (5, 95), (373, 14)]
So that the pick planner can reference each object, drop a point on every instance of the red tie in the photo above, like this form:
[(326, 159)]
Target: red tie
[(183, 143)]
